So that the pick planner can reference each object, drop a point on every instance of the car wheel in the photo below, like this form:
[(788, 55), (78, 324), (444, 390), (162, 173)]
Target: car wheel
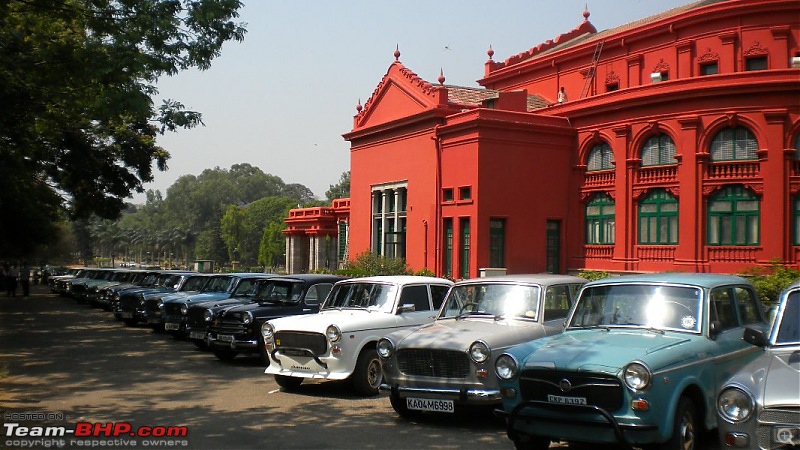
[(368, 374), (288, 383), (224, 354), (684, 428), (401, 407)]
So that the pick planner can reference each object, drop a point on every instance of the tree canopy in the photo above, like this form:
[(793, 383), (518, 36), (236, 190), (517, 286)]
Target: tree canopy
[(78, 125)]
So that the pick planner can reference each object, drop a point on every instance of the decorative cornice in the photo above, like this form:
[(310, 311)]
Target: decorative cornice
[(708, 56), (612, 78), (661, 66), (756, 50)]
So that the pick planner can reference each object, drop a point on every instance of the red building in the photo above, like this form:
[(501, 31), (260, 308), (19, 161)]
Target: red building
[(677, 147)]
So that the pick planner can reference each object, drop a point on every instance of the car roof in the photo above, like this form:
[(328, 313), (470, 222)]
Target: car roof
[(310, 277), (398, 279), (532, 278), (706, 280)]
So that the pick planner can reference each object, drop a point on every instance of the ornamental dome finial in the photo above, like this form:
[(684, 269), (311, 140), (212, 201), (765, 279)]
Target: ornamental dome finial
[(441, 76), (586, 13), (397, 53), (490, 52), (358, 106)]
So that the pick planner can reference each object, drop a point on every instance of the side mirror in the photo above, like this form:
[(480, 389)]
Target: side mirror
[(714, 328), (407, 307), (755, 337)]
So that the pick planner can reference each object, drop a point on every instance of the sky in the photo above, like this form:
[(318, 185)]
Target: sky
[(282, 99)]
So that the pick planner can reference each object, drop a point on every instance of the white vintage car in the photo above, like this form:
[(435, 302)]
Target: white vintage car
[(339, 342)]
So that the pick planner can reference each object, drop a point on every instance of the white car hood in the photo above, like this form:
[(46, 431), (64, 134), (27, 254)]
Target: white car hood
[(782, 384), (460, 334), (348, 320)]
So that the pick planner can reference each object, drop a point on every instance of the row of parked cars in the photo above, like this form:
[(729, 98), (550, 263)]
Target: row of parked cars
[(636, 361)]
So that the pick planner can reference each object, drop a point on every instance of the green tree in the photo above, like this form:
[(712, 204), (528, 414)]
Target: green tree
[(242, 227), (339, 190), (76, 84)]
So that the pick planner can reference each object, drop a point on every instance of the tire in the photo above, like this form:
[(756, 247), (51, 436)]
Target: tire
[(200, 344), (224, 354), (368, 374), (684, 427), (288, 383), (401, 408)]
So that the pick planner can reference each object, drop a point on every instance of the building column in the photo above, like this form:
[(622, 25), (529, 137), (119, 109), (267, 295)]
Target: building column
[(775, 160), (728, 55), (691, 214), (624, 214)]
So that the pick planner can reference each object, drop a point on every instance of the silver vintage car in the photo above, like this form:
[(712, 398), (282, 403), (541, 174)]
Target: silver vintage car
[(449, 364), (760, 406)]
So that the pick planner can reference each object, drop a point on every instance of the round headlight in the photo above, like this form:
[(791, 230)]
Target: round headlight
[(267, 331), (333, 333), (247, 317), (385, 348), (479, 351), (208, 316), (506, 367), (184, 309), (637, 376), (734, 404)]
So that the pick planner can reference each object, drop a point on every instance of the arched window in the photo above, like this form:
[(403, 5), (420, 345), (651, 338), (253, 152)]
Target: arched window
[(600, 158), (659, 151), (796, 206), (658, 219), (733, 217), (600, 225), (797, 147), (733, 144)]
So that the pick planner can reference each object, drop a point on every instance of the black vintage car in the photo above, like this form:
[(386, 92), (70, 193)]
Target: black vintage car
[(131, 301), (238, 329), (200, 315), (154, 300), (220, 287)]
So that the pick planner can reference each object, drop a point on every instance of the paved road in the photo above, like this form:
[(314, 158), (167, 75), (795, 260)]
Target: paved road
[(59, 357), (78, 364)]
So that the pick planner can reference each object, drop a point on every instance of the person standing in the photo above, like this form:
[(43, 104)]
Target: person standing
[(25, 278), (562, 95), (11, 281)]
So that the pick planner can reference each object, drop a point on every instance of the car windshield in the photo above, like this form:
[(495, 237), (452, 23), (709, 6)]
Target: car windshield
[(362, 295), (640, 306), (789, 322), (279, 292), (246, 287), (218, 284), (498, 300), (195, 283)]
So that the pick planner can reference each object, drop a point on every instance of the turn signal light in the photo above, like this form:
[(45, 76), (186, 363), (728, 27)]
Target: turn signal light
[(640, 405)]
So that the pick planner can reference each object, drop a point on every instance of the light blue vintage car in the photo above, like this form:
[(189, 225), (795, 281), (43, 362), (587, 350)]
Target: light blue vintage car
[(640, 362), (760, 406)]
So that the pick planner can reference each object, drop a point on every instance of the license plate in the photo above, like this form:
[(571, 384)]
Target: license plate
[(126, 315), (425, 404), (225, 337), (566, 400), (197, 335), (172, 326)]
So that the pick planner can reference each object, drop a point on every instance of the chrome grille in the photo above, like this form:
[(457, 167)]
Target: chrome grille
[(433, 363), (599, 390), (228, 326), (315, 342), (196, 317), (129, 302), (780, 416)]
